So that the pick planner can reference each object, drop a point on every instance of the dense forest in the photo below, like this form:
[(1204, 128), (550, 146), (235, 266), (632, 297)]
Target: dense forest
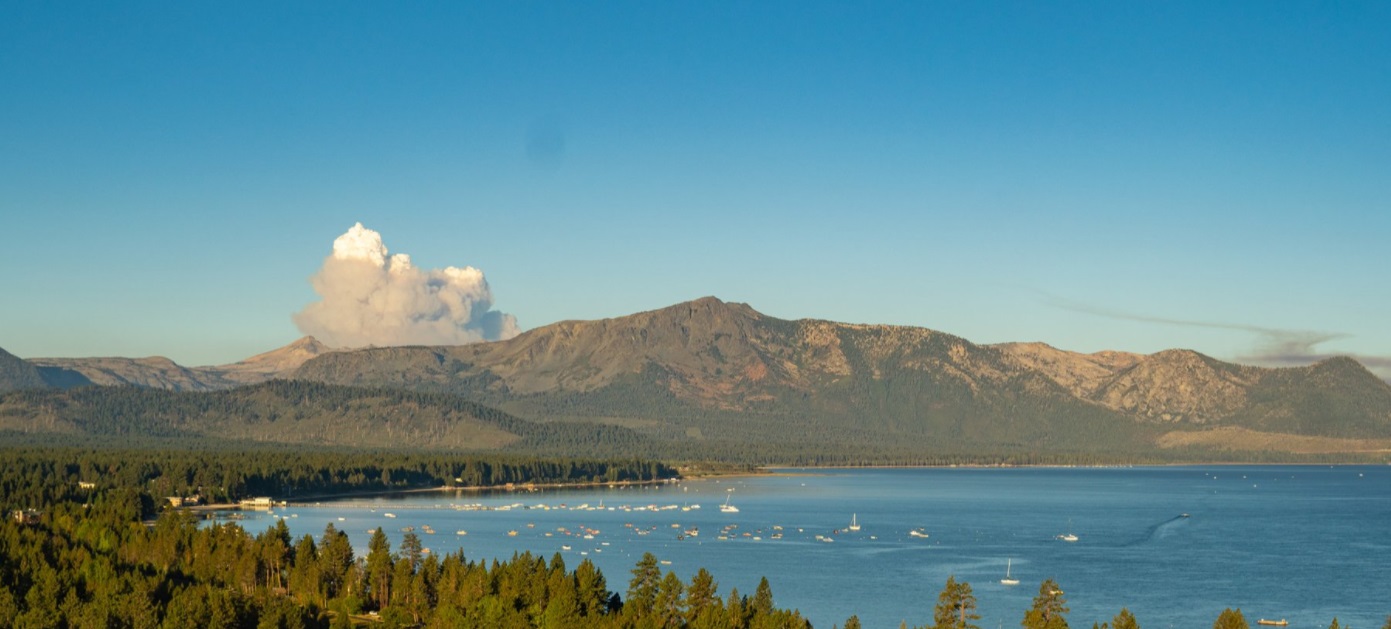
[(42, 476), (321, 416)]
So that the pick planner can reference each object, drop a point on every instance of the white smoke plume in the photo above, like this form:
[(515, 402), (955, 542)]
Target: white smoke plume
[(370, 298)]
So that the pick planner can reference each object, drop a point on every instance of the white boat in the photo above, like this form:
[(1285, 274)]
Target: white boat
[(917, 533), (854, 523), (1008, 580), (728, 508), (1068, 536)]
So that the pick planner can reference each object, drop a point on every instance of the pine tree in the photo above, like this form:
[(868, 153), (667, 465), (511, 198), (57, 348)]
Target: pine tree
[(1124, 620), (1049, 609), (1230, 619), (956, 606), (1335, 624), (669, 607), (763, 598), (642, 590), (852, 622), (379, 569), (701, 595)]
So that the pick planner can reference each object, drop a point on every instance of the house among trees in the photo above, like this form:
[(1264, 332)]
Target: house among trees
[(26, 516), (182, 501), (259, 503)]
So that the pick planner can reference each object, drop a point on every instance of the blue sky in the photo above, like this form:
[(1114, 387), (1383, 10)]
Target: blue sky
[(1133, 176)]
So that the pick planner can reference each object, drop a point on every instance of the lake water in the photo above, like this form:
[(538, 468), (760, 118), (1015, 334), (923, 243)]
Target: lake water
[(1299, 543)]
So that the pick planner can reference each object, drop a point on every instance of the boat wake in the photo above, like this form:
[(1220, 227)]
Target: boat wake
[(1161, 530)]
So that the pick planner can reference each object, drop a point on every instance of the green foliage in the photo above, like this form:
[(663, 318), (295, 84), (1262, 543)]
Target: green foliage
[(1230, 619), (1049, 610), (126, 479), (1124, 620), (956, 607), (54, 572)]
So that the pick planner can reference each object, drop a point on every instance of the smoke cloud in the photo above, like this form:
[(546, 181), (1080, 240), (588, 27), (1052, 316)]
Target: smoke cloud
[(370, 298)]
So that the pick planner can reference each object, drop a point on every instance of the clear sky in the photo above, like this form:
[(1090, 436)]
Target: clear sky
[(1094, 175)]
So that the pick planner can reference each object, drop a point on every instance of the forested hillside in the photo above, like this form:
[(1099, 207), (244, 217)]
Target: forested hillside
[(302, 412)]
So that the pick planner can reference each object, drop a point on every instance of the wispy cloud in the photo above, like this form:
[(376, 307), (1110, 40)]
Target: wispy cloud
[(1273, 347)]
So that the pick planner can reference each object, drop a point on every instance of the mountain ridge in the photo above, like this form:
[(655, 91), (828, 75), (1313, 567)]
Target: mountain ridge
[(712, 374)]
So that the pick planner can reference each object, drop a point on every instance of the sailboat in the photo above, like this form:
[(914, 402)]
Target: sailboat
[(1008, 580), (1068, 536), (854, 524), (728, 508)]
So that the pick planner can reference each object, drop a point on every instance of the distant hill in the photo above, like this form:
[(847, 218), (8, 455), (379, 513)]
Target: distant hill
[(16, 374), (162, 373), (300, 413)]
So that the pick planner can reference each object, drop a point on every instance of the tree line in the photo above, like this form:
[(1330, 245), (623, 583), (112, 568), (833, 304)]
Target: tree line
[(956, 609), (36, 476)]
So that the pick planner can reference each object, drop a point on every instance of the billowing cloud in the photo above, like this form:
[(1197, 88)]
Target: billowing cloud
[(368, 297)]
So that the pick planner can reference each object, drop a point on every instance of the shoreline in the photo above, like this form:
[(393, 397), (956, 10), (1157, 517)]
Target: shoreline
[(762, 471), (509, 487)]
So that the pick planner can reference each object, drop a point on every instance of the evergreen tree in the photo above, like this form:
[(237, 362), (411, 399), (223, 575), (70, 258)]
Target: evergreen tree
[(668, 608), (1230, 619), (642, 590), (1124, 620), (1388, 622), (1335, 624), (379, 569), (853, 622), (763, 598), (412, 550), (956, 606), (701, 595), (1049, 609)]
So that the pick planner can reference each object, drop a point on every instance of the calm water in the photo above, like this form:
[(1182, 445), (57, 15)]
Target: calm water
[(1302, 543)]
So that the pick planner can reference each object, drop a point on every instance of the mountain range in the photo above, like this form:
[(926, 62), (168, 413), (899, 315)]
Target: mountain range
[(708, 378)]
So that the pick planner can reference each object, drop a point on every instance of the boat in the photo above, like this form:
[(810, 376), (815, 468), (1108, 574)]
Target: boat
[(917, 533), (1068, 536), (1274, 623), (511, 533), (728, 508), (854, 523), (1008, 580)]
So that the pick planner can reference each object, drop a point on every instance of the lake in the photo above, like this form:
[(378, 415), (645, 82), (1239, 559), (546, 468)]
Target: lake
[(1174, 544)]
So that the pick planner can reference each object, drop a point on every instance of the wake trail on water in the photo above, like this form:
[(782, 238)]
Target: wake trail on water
[(1163, 529)]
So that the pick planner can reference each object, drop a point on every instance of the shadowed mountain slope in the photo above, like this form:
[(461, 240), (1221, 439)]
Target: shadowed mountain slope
[(16, 374)]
